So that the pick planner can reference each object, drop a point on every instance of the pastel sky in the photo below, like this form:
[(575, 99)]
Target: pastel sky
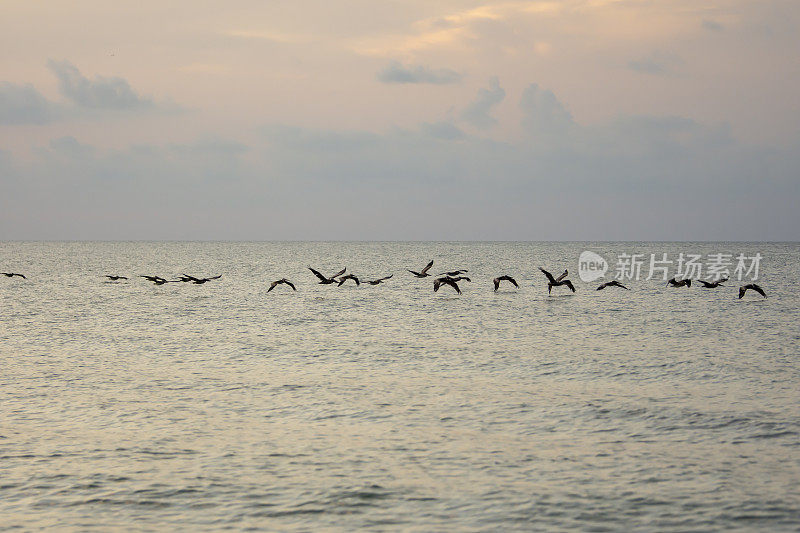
[(364, 119)]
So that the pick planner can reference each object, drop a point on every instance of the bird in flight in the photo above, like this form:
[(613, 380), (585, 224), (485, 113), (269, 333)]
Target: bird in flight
[(504, 278), (712, 284), (158, 280), (349, 276), (454, 273), (327, 281), (197, 281), (556, 282), (743, 289), (613, 283), (378, 281), (424, 272), (283, 280), (115, 278), (12, 274), (447, 280), (684, 282)]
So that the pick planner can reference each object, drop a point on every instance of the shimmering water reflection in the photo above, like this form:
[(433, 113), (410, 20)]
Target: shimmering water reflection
[(139, 407)]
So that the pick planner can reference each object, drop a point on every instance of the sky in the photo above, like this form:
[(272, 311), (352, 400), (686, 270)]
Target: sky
[(400, 120)]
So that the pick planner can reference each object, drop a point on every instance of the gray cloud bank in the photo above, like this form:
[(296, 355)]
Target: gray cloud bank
[(396, 72), (632, 178), (478, 112), (100, 93), (24, 104)]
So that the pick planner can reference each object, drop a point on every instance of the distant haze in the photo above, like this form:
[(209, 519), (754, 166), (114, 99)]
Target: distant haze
[(541, 120)]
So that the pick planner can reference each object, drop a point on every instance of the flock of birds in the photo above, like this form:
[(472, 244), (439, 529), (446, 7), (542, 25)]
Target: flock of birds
[(451, 279)]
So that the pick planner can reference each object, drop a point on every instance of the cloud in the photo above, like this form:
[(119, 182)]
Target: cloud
[(23, 104), (99, 93), (395, 72), (631, 178), (478, 112), (543, 114), (444, 130)]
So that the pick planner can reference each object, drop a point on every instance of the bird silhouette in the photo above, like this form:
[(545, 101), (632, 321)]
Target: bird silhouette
[(424, 272), (712, 284), (378, 281), (278, 282), (682, 283), (556, 282), (349, 276), (743, 289), (613, 283), (327, 281), (447, 280), (497, 281)]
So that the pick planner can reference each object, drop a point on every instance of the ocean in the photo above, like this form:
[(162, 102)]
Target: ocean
[(131, 406)]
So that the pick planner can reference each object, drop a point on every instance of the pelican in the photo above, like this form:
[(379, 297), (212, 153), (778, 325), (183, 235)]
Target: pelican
[(424, 272), (497, 281), (12, 274), (743, 289), (283, 280), (712, 284), (555, 282), (115, 278), (327, 281), (453, 282), (454, 273), (684, 282), (349, 276), (614, 283), (377, 281), (197, 281), (158, 280)]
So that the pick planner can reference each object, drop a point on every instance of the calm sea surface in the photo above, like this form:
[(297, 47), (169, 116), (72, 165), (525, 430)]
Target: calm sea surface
[(130, 406)]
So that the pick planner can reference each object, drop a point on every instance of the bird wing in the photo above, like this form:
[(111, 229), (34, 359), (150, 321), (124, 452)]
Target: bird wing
[(706, 284), (688, 282), (603, 286), (317, 273), (436, 284), (216, 277), (427, 267), (513, 281), (339, 273), (562, 276), (384, 279), (550, 277), (415, 273), (623, 286), (759, 290), (453, 284), (742, 290), (496, 282), (568, 283), (289, 283), (273, 285)]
